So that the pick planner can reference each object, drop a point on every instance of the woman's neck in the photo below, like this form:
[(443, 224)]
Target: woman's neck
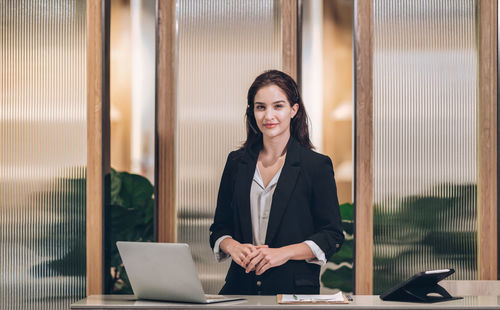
[(276, 146)]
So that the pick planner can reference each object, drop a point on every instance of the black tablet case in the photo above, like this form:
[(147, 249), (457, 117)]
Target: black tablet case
[(418, 288)]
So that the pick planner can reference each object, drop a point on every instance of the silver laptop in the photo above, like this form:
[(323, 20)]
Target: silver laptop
[(164, 271)]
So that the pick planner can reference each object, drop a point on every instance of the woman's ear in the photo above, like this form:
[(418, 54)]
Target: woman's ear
[(295, 109)]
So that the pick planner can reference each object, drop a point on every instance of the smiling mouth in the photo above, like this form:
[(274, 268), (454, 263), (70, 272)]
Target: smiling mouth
[(270, 125)]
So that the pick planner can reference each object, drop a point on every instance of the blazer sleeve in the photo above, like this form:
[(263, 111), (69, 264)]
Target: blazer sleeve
[(223, 218), (329, 235)]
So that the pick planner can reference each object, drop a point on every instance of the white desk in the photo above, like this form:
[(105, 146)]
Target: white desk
[(269, 302)]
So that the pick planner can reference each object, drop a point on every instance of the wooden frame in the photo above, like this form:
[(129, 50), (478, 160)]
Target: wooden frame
[(363, 166), (488, 131), (98, 161), (289, 31), (165, 121)]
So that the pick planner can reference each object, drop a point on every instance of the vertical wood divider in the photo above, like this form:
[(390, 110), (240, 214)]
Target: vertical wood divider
[(289, 33), (165, 121), (488, 131), (98, 161), (363, 189)]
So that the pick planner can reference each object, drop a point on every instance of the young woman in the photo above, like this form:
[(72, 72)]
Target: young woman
[(277, 212)]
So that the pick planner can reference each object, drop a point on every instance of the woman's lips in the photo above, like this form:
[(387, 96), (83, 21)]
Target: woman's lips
[(269, 126)]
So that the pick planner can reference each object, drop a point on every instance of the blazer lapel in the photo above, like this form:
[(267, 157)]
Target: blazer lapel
[(243, 184), (284, 189)]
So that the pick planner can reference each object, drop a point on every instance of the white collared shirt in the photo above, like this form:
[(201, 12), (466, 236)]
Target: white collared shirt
[(260, 208), (261, 198)]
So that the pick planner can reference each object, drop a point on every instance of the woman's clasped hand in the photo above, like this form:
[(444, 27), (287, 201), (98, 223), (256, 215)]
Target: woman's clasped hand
[(255, 258), (264, 258)]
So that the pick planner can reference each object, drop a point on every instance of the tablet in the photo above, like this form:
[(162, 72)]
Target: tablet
[(422, 287)]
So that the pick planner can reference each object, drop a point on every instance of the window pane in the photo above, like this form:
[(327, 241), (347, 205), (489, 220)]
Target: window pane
[(425, 83), (43, 153)]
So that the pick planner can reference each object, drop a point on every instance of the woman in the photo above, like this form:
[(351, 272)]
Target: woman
[(277, 212)]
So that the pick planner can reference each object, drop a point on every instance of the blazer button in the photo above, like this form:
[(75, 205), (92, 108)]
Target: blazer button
[(259, 283)]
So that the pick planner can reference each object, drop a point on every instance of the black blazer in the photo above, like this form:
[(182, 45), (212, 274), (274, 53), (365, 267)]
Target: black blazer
[(304, 207)]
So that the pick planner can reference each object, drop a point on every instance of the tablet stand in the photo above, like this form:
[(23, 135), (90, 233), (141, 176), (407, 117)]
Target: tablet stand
[(421, 294)]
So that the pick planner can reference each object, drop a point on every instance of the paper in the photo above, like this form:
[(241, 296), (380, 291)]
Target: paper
[(291, 298)]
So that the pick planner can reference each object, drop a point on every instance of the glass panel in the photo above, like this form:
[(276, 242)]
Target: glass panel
[(43, 154), (222, 47), (425, 83)]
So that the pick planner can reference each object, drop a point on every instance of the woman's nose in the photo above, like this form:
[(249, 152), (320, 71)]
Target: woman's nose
[(269, 114)]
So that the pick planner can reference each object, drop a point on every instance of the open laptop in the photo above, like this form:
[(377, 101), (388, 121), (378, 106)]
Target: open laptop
[(164, 271)]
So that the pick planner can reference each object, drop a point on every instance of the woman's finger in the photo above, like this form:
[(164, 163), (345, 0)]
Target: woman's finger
[(251, 265), (261, 263), (248, 249), (249, 257), (263, 269)]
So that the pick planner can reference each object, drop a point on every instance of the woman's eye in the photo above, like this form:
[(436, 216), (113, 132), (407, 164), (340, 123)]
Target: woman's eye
[(259, 107), (278, 106)]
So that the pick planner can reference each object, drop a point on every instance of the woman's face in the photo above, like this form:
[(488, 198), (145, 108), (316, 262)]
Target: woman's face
[(273, 112)]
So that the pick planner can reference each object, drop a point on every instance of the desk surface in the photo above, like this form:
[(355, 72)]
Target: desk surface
[(269, 302)]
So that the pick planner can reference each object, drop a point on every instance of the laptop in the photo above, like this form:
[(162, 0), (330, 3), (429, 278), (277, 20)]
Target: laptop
[(164, 271)]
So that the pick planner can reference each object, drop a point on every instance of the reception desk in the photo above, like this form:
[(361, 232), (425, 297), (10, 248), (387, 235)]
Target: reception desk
[(269, 302)]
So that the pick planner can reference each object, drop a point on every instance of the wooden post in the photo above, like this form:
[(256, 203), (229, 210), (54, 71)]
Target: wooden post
[(488, 154), (363, 196), (165, 122), (98, 161), (289, 37)]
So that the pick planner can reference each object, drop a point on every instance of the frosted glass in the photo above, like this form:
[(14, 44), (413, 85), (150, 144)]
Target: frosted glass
[(222, 47), (42, 153), (425, 98)]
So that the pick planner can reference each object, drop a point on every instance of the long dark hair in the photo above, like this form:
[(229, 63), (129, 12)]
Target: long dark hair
[(298, 126)]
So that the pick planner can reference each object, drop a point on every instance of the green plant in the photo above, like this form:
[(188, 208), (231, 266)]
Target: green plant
[(63, 201), (435, 231), (411, 234), (129, 218), (131, 214), (338, 274)]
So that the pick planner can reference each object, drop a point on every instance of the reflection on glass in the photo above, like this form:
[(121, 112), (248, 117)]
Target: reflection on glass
[(132, 86), (222, 47), (43, 154), (425, 69), (132, 113)]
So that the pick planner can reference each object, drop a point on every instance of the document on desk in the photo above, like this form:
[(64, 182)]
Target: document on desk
[(338, 298)]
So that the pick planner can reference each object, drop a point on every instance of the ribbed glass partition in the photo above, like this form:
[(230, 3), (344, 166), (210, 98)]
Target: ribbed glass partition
[(222, 47), (425, 98), (42, 153)]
